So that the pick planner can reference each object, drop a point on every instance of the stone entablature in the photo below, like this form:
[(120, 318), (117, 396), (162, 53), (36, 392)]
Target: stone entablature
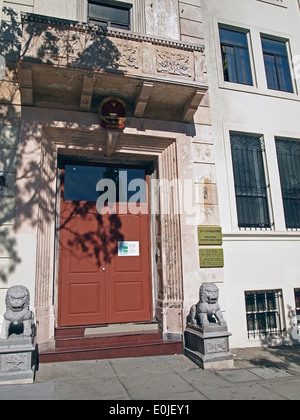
[(74, 66), (71, 44)]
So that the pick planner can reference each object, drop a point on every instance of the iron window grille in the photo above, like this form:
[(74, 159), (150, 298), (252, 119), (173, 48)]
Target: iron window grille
[(109, 14), (288, 153), (297, 301), (277, 65), (263, 312), (235, 56), (251, 188)]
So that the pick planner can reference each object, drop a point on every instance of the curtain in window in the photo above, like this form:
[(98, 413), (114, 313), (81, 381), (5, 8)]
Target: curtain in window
[(250, 181), (288, 153)]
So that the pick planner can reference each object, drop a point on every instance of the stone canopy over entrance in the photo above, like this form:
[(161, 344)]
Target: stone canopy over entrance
[(73, 66)]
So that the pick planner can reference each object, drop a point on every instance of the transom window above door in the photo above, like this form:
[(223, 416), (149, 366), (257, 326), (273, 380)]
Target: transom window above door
[(110, 13), (80, 183)]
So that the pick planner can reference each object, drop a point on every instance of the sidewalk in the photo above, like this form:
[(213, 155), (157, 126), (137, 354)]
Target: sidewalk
[(259, 374)]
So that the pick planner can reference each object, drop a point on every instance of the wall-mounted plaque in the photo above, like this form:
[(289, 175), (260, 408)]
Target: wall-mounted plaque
[(211, 258), (210, 235)]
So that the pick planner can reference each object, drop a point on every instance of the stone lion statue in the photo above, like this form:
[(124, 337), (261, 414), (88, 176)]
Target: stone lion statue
[(17, 312), (207, 310)]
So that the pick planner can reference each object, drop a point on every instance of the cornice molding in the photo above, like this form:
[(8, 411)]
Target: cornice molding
[(110, 32)]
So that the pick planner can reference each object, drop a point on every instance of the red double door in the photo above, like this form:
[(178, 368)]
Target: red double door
[(104, 265)]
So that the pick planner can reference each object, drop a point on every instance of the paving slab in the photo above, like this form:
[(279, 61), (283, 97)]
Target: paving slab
[(201, 379), (66, 371), (244, 391), (35, 392), (155, 386), (91, 389), (289, 389), (238, 375), (271, 373)]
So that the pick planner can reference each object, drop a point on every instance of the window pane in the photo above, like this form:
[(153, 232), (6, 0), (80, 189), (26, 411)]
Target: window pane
[(235, 38), (272, 320), (109, 13), (235, 55), (277, 66), (250, 303), (288, 153), (243, 66), (271, 301), (81, 181), (251, 322), (273, 47), (230, 74), (106, 14), (271, 74), (260, 302), (261, 322), (284, 74), (250, 181)]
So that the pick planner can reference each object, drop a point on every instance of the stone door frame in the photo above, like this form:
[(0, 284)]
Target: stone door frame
[(55, 140)]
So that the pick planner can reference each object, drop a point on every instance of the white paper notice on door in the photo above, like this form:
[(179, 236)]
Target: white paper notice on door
[(128, 249)]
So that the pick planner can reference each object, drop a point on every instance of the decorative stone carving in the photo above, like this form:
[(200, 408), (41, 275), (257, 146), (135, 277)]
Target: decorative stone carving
[(206, 335), (207, 310), (17, 340), (17, 312), (129, 55), (174, 63)]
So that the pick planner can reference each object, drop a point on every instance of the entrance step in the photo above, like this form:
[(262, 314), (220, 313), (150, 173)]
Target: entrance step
[(73, 344), (122, 328)]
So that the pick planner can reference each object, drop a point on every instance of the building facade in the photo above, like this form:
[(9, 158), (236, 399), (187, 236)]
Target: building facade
[(127, 129), (252, 50)]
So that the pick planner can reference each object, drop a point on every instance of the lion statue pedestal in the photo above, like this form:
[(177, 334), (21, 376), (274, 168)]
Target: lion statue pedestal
[(17, 339), (206, 334)]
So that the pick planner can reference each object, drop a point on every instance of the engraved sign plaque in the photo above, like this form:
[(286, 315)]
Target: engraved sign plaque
[(210, 235), (210, 258)]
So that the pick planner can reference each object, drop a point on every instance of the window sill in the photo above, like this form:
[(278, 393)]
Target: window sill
[(256, 91), (248, 235)]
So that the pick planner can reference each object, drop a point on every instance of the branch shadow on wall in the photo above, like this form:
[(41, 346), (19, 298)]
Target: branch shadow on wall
[(29, 198)]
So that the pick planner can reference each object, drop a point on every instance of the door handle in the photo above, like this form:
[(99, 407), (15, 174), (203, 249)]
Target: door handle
[(103, 269)]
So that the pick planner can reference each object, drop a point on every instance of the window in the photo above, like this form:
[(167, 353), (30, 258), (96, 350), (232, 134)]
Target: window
[(263, 311), (251, 189), (297, 301), (113, 14), (235, 56), (277, 65), (80, 182), (288, 153)]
